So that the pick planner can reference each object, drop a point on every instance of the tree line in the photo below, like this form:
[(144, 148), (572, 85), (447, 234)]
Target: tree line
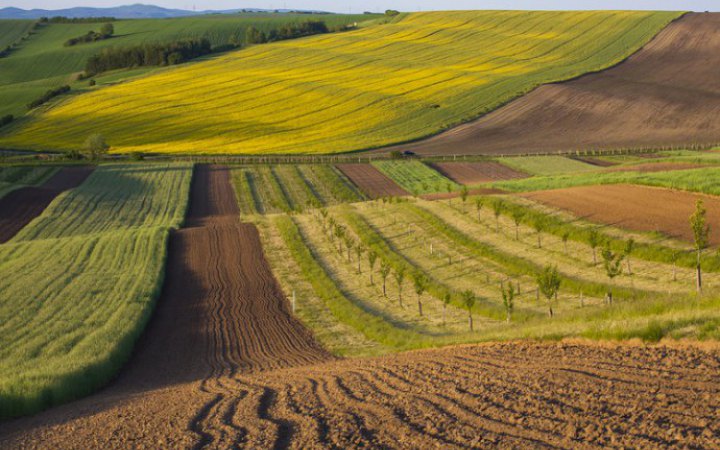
[(147, 55), (106, 32), (287, 31), (52, 93), (63, 19)]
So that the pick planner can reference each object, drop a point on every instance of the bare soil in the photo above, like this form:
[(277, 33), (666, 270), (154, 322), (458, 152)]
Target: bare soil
[(224, 365), (633, 207), (371, 181), (658, 167), (667, 94), (20, 206), (469, 173)]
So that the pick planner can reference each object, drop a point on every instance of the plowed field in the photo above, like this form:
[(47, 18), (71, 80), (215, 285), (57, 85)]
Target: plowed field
[(668, 93), (634, 207), (477, 172), (371, 181), (21, 206)]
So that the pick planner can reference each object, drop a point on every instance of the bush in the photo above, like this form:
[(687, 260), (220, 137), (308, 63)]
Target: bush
[(391, 12), (106, 32), (48, 95)]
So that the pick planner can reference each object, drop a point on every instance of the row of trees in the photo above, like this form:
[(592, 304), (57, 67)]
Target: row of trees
[(63, 19), (146, 55), (47, 96), (286, 31), (106, 32)]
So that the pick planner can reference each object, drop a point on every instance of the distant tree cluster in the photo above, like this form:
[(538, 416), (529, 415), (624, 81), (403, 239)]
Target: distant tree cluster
[(147, 55), (48, 95), (61, 19), (391, 12), (106, 32), (287, 31)]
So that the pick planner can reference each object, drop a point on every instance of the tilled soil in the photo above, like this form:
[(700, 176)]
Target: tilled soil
[(371, 181), (469, 173), (224, 365), (668, 93), (657, 167), (20, 206), (638, 208)]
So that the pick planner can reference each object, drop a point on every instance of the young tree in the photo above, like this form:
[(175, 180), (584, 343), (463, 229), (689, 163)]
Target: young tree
[(107, 30), (468, 298), (539, 226), (701, 231), (349, 245), (372, 258), (446, 302), (399, 278), (384, 272), (95, 146), (565, 237), (594, 240), (613, 267), (464, 195), (359, 250), (497, 210), (478, 207), (549, 284), (420, 284), (517, 216), (508, 296), (629, 247)]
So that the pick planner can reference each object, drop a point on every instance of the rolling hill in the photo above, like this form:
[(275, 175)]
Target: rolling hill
[(371, 87)]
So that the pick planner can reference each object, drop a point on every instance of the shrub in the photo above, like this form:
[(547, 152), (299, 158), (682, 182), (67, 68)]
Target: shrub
[(4, 120), (48, 96)]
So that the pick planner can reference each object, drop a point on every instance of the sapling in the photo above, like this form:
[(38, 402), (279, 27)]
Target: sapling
[(384, 272), (549, 284), (629, 247), (508, 296), (497, 210), (478, 207), (372, 258), (594, 240), (420, 284), (701, 231), (359, 250), (468, 298), (446, 302), (399, 277), (613, 267), (517, 216), (539, 226), (565, 236)]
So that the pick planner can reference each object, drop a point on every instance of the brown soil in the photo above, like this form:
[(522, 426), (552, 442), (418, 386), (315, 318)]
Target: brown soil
[(666, 94), (658, 167), (637, 208), (371, 181), (470, 173), (20, 206), (224, 365)]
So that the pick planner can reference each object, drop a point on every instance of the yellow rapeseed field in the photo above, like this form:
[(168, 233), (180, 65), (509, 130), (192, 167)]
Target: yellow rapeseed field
[(347, 91)]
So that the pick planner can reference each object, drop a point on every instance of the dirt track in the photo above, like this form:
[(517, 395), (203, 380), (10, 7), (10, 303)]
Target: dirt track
[(666, 94), (637, 208), (224, 365), (371, 181), (21, 206)]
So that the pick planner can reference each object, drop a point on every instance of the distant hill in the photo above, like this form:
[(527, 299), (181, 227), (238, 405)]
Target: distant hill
[(137, 11)]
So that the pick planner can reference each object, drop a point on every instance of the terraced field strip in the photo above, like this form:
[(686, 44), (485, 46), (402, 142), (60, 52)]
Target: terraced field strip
[(375, 86), (471, 173), (371, 181), (657, 167), (548, 165), (637, 208), (510, 395), (21, 206), (416, 177), (12, 178), (96, 258)]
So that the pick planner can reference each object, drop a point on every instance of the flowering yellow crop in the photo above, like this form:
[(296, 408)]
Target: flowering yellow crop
[(348, 91)]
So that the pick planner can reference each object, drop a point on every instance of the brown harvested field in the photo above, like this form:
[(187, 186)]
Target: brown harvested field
[(633, 207), (371, 181), (658, 167), (668, 93), (20, 206), (469, 173)]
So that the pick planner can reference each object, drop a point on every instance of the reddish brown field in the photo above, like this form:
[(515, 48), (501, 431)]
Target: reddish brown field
[(657, 167), (637, 208), (668, 93), (371, 181), (21, 206), (469, 173)]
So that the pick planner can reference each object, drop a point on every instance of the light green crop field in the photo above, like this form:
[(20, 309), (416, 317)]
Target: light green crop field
[(12, 31), (416, 177), (375, 86), (80, 281), (43, 62), (547, 165)]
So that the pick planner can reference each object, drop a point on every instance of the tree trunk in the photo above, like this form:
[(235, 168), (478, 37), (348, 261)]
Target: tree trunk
[(674, 271), (497, 224), (517, 232), (400, 296), (507, 317), (550, 310), (539, 240), (629, 269), (470, 321), (444, 313), (594, 257), (359, 271), (371, 276), (420, 307), (698, 276), (566, 249), (384, 288)]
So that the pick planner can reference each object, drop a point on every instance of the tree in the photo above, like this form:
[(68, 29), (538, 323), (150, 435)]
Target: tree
[(468, 298), (517, 217), (107, 30), (539, 227), (349, 245), (95, 146), (420, 284), (565, 237), (701, 231), (478, 206), (384, 272), (372, 258), (391, 12), (549, 284), (359, 250), (508, 296), (629, 247), (399, 277), (446, 302), (254, 36), (594, 240), (613, 267), (464, 195), (497, 210)]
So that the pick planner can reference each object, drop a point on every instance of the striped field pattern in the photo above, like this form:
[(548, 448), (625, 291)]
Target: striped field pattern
[(371, 87)]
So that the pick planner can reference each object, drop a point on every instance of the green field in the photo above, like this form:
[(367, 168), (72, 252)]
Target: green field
[(13, 31), (43, 62), (547, 165), (378, 85), (416, 177), (12, 178), (80, 281)]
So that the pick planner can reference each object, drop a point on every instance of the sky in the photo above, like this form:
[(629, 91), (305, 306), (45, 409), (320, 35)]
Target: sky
[(357, 6)]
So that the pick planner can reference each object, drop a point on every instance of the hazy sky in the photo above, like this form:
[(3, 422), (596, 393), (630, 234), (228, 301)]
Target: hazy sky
[(377, 5)]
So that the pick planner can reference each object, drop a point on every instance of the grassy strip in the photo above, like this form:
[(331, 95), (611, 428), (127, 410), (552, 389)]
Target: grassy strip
[(374, 240), (416, 177), (245, 192), (513, 264), (547, 165), (339, 187), (372, 326), (314, 198)]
